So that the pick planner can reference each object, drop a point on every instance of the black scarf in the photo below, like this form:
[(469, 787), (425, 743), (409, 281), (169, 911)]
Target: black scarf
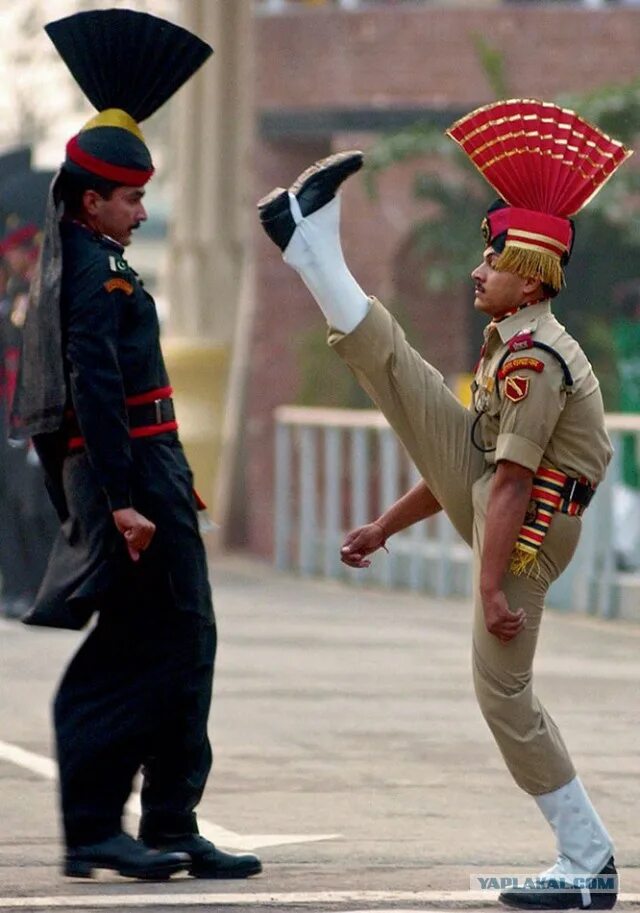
[(41, 391)]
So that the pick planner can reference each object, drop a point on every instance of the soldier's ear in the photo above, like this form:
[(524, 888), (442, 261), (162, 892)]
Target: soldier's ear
[(532, 288), (91, 202)]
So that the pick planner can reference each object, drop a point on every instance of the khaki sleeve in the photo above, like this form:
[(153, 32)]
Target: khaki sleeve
[(531, 404)]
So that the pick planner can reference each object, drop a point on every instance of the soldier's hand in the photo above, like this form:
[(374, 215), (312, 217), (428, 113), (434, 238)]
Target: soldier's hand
[(136, 529), (499, 619), (361, 542)]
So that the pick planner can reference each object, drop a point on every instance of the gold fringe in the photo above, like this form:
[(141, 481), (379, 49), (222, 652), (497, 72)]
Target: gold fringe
[(531, 264), (524, 560)]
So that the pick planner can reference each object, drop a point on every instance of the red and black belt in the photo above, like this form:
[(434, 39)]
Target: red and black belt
[(148, 414), (562, 492)]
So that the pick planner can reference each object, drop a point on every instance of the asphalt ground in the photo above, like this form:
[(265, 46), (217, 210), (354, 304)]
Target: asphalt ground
[(349, 753)]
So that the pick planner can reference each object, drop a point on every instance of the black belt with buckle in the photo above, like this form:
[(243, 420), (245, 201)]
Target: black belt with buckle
[(157, 412), (576, 492)]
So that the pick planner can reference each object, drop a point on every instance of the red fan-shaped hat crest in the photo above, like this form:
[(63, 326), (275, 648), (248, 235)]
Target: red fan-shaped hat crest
[(538, 155), (546, 163)]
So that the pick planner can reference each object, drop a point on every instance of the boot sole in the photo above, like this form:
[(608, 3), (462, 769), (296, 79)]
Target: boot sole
[(598, 902), (240, 872), (347, 163), (275, 214), (81, 868)]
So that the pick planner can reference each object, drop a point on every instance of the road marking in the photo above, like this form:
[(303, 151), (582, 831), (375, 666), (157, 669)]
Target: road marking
[(475, 899), (36, 763), (46, 767)]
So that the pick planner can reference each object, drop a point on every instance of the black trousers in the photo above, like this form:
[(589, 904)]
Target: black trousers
[(136, 695)]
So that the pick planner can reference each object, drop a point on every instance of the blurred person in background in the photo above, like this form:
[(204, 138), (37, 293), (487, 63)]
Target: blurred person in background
[(515, 478), (11, 582), (626, 488), (28, 524)]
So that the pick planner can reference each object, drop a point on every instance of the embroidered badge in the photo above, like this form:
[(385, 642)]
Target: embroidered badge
[(534, 364), (516, 388), (117, 283), (118, 264), (522, 340)]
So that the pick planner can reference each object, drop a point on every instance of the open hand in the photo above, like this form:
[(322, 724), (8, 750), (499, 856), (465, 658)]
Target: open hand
[(136, 529), (361, 542), (499, 619)]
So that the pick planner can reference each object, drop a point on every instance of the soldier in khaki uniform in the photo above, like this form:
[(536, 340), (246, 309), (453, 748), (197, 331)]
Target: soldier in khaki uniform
[(516, 471)]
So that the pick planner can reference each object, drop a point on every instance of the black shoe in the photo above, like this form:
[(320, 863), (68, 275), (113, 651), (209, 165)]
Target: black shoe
[(126, 856), (603, 893), (207, 861), (313, 189)]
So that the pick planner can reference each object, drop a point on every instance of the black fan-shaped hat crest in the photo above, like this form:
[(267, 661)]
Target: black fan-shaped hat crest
[(125, 59)]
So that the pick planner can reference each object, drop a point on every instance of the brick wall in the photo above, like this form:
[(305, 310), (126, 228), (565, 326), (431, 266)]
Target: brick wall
[(380, 58), (426, 55)]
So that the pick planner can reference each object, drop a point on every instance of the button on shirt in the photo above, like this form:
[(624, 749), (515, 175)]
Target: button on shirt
[(548, 424)]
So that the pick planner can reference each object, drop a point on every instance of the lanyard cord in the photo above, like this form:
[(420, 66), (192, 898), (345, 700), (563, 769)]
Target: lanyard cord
[(478, 446)]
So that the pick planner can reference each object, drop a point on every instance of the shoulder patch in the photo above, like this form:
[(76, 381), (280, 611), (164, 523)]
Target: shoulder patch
[(118, 264), (516, 388), (118, 283), (516, 364), (522, 340)]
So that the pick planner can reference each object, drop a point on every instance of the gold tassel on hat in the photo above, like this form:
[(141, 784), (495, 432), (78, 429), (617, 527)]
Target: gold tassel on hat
[(531, 263)]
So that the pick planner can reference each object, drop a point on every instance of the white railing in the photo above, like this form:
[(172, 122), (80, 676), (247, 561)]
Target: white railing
[(279, 6), (339, 468)]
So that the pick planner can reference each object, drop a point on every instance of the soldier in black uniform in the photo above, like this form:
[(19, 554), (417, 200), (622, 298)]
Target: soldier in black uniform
[(95, 393)]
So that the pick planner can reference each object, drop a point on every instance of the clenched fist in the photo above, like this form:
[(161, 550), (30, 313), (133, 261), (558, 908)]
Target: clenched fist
[(136, 529)]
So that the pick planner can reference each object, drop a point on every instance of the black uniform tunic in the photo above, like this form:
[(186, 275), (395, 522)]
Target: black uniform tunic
[(138, 691), (111, 343)]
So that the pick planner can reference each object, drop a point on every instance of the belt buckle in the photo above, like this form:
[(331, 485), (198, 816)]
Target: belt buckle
[(572, 490), (157, 403)]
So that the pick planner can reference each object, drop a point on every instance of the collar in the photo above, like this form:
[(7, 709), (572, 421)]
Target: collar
[(526, 318), (95, 235)]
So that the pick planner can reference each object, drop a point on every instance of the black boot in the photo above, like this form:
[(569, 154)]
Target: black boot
[(549, 893), (313, 189), (207, 861), (126, 856)]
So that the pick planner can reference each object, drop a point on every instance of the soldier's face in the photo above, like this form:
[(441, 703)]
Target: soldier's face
[(497, 291), (119, 215)]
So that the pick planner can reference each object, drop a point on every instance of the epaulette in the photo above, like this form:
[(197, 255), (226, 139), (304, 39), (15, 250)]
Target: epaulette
[(521, 342)]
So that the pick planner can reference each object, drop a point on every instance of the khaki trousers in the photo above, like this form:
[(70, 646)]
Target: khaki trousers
[(435, 429)]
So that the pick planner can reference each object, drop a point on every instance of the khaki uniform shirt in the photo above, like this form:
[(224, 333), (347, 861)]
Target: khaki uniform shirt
[(530, 415)]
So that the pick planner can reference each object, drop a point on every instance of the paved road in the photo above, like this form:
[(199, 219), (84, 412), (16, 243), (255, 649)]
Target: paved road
[(346, 715)]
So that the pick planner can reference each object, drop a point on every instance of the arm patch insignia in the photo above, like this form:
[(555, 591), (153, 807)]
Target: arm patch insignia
[(516, 388), (533, 364), (119, 283)]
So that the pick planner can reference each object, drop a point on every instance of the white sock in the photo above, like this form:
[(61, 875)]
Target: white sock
[(315, 252), (582, 837)]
